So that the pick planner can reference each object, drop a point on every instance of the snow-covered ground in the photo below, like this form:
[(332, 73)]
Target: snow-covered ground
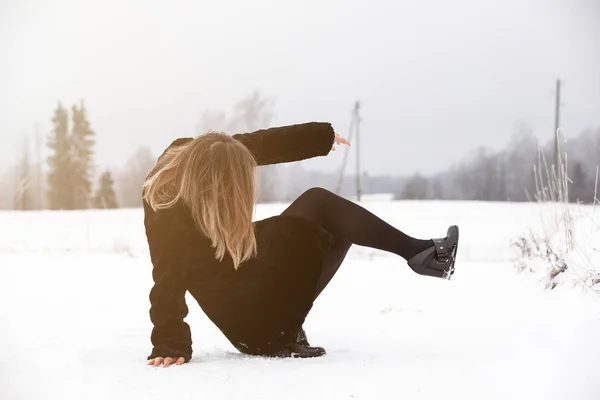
[(74, 319)]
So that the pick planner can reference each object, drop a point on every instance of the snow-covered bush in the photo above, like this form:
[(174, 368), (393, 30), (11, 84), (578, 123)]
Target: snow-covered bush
[(565, 247)]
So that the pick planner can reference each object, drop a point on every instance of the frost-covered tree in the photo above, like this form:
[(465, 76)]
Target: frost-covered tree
[(105, 195), (82, 152), (60, 191), (23, 191), (70, 164)]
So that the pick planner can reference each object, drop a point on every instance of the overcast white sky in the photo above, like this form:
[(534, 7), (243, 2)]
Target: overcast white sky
[(436, 78)]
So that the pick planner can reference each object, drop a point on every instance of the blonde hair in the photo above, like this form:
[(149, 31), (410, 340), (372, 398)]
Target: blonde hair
[(215, 176)]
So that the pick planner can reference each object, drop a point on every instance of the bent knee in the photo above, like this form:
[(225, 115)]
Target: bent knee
[(317, 192)]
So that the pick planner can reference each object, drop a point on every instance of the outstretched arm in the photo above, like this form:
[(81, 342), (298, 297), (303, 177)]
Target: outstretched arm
[(171, 336), (289, 143)]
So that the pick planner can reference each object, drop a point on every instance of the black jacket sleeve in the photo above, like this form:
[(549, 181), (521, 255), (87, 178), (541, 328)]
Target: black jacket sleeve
[(171, 336), (289, 143)]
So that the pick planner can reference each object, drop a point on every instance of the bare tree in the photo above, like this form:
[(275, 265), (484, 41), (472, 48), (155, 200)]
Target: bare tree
[(23, 190), (212, 121), (131, 179), (416, 188), (248, 115), (251, 113), (521, 156), (7, 187)]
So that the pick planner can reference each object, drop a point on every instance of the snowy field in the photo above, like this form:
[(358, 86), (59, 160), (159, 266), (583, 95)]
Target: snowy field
[(74, 319)]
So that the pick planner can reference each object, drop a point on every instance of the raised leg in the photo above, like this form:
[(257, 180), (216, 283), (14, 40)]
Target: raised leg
[(353, 223)]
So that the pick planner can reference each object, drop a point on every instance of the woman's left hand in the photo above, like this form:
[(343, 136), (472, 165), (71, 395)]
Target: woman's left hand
[(155, 362), (339, 140)]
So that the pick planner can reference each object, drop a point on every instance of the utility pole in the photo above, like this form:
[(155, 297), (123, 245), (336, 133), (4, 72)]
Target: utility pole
[(357, 119), (557, 163), (354, 128)]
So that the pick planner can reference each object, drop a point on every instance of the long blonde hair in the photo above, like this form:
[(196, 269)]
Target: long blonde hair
[(215, 176)]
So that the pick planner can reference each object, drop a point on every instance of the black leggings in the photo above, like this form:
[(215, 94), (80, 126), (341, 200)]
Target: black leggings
[(350, 224)]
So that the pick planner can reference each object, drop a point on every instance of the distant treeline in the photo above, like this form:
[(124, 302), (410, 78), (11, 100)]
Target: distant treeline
[(68, 179), (508, 175)]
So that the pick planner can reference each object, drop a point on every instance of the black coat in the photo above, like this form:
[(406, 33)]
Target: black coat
[(260, 306)]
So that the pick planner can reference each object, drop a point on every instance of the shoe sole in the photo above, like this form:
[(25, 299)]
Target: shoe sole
[(452, 231), (288, 353)]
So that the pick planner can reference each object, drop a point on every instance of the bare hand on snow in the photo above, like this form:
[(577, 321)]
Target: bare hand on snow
[(165, 361)]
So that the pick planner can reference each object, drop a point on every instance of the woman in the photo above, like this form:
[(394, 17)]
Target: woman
[(255, 281)]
